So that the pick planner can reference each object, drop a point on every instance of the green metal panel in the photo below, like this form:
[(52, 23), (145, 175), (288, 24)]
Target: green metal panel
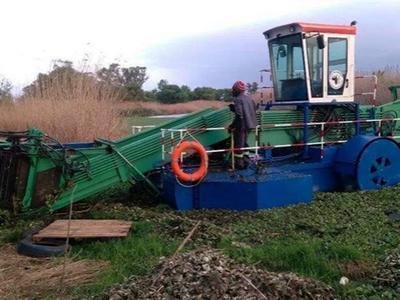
[(143, 151)]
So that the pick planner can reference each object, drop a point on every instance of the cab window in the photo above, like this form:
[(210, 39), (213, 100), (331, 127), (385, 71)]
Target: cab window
[(337, 65), (288, 68), (316, 62)]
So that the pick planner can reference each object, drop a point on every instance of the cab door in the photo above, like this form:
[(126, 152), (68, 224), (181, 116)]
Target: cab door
[(339, 58)]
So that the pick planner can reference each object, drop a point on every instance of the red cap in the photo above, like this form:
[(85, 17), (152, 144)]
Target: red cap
[(239, 86)]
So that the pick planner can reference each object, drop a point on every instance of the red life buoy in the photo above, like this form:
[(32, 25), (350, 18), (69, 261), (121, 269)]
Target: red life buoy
[(175, 157)]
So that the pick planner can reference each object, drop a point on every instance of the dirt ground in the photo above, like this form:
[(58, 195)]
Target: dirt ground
[(23, 276)]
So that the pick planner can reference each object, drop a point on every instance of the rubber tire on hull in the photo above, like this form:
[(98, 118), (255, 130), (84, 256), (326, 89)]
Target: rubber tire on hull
[(368, 162), (28, 248), (378, 165)]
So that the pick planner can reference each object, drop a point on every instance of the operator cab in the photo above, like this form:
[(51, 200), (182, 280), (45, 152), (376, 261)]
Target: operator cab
[(312, 62)]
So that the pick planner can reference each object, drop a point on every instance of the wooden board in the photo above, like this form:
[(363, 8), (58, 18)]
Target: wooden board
[(82, 229)]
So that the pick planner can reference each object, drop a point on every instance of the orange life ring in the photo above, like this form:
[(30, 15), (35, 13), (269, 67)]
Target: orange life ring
[(175, 157)]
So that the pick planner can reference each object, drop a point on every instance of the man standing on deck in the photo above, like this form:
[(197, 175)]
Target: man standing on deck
[(245, 120)]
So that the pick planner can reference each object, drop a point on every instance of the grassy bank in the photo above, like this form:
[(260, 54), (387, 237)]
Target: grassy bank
[(339, 234), (139, 108)]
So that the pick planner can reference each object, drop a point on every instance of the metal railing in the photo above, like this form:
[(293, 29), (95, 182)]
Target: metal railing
[(188, 132), (373, 92), (139, 128)]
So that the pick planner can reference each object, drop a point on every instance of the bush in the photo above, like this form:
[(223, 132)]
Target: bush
[(170, 93), (205, 93)]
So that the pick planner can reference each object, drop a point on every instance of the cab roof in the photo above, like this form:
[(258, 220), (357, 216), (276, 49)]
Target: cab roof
[(309, 27)]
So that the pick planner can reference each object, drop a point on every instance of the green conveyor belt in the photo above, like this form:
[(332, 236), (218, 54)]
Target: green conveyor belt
[(142, 151)]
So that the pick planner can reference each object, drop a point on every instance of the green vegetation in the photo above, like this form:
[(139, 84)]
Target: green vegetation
[(311, 258), (126, 82), (171, 93), (338, 234), (134, 255), (5, 91), (129, 81)]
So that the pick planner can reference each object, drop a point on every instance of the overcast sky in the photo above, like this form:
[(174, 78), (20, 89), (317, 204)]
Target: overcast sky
[(208, 42)]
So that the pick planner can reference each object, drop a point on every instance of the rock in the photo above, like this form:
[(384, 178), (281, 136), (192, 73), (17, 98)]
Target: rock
[(343, 280), (206, 259), (206, 267), (388, 274)]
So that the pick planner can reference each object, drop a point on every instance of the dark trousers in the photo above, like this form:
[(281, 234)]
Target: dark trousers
[(240, 139)]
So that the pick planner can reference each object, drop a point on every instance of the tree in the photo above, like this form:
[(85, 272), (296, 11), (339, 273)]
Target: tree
[(62, 75), (169, 93), (224, 95), (150, 95), (186, 94), (5, 91), (252, 87), (172, 93), (162, 84), (204, 93), (129, 80)]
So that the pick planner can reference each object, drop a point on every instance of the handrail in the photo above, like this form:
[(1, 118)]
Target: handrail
[(373, 93), (139, 128), (257, 147)]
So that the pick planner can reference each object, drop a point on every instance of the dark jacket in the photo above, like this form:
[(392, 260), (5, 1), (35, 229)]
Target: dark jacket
[(245, 113)]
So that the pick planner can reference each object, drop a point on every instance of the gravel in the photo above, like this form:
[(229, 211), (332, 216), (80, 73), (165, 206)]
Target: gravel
[(388, 274), (209, 274)]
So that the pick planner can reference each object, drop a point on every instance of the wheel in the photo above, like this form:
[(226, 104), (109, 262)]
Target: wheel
[(378, 165), (47, 248), (368, 163)]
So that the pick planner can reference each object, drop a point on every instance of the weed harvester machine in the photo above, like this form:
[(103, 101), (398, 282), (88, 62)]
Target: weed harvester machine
[(314, 137)]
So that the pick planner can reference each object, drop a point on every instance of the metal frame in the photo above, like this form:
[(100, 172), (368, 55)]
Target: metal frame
[(256, 147), (139, 128)]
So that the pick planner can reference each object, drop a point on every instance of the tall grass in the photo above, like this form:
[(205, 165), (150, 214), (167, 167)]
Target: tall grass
[(387, 77), (71, 108)]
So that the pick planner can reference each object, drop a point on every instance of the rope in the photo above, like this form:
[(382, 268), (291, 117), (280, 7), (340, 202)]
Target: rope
[(66, 248)]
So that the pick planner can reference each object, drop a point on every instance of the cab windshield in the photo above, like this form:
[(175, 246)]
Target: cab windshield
[(286, 54)]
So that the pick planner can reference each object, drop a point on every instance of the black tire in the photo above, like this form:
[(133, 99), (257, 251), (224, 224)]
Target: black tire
[(47, 248)]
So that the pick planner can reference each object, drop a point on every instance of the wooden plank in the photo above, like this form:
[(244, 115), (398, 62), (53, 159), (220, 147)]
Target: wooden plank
[(84, 229)]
